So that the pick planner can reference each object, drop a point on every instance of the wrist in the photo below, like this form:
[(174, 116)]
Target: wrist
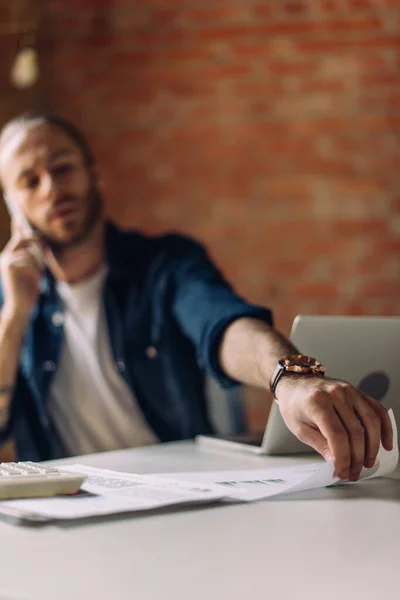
[(294, 366), (13, 321), (291, 381), (4, 415)]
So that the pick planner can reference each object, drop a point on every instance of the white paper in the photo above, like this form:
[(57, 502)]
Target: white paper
[(251, 485), (111, 492)]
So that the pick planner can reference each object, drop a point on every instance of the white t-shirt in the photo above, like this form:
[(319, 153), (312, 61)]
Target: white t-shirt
[(91, 405)]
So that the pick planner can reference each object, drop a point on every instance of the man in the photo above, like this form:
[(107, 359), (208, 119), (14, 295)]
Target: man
[(107, 346)]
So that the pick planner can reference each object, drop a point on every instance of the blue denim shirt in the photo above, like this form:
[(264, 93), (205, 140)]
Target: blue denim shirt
[(167, 307)]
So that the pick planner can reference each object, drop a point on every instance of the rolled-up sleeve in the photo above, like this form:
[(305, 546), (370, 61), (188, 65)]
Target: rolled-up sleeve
[(205, 305)]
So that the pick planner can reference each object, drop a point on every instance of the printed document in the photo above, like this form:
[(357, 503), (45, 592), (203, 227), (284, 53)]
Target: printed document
[(107, 492)]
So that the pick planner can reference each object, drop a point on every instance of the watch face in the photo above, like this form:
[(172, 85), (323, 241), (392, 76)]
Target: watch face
[(301, 360)]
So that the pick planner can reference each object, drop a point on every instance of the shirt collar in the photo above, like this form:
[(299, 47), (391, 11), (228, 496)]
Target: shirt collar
[(124, 256)]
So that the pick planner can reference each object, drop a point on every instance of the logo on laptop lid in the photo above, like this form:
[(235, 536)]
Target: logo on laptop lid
[(375, 384)]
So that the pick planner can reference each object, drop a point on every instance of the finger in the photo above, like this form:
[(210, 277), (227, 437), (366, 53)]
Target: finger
[(372, 428), (10, 257), (386, 424), (330, 425), (12, 242), (314, 438), (21, 258), (26, 243), (20, 227), (356, 434), (29, 246), (15, 227), (19, 242)]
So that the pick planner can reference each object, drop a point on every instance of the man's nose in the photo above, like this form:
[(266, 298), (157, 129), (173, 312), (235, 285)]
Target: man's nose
[(49, 188)]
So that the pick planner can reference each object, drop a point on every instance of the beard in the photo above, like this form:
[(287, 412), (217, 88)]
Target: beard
[(94, 204)]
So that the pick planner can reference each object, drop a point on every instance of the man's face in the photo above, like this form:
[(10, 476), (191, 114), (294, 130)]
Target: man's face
[(44, 172)]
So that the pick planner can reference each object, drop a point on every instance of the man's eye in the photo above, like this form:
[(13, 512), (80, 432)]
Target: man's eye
[(32, 183), (62, 169)]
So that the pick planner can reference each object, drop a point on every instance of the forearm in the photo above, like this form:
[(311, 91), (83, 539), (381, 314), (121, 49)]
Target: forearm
[(11, 336), (250, 350)]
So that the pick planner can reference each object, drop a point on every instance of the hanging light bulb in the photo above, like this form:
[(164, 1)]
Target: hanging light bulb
[(25, 69)]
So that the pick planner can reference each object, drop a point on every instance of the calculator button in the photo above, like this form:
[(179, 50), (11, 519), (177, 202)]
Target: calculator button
[(32, 480)]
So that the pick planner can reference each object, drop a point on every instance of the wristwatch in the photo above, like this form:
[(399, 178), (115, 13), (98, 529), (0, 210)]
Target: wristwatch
[(295, 363)]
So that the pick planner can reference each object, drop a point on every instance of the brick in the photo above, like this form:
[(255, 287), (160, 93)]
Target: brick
[(222, 14), (316, 290), (313, 87), (370, 23), (296, 7), (329, 6), (335, 166), (362, 5), (374, 41), (360, 227), (266, 129), (289, 269), (291, 27), (395, 204), (223, 33), (263, 10), (301, 67), (382, 289), (331, 246), (355, 307), (381, 79), (224, 70), (389, 247)]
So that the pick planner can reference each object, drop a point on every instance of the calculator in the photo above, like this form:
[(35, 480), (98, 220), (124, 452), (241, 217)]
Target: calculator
[(34, 480)]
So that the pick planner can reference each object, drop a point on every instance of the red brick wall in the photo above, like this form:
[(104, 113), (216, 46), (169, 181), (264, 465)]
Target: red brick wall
[(267, 128), (270, 130), (12, 101)]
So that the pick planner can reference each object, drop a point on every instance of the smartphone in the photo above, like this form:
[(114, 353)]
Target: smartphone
[(16, 213)]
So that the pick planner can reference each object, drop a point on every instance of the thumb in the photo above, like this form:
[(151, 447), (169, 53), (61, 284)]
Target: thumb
[(316, 440), (16, 227)]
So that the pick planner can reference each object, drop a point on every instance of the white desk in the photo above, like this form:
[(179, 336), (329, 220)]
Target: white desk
[(330, 543)]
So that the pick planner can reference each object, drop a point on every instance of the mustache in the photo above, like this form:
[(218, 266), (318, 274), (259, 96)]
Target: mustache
[(59, 203)]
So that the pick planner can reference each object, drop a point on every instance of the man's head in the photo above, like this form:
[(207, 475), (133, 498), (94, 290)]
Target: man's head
[(47, 171)]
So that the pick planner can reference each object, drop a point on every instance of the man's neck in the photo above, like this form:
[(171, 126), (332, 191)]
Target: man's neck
[(81, 261)]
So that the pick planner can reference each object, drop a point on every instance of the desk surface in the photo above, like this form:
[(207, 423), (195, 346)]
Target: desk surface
[(329, 543)]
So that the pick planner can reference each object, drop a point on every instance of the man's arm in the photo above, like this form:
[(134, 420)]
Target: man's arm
[(250, 350), (11, 336), (235, 342), (332, 416), (20, 277)]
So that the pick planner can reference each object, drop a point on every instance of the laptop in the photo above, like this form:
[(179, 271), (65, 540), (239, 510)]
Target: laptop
[(363, 350)]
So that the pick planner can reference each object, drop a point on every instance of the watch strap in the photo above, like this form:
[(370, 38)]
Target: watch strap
[(276, 376), (286, 365)]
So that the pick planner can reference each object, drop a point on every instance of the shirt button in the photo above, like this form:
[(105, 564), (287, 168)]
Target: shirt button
[(57, 319), (120, 366), (151, 352), (49, 366)]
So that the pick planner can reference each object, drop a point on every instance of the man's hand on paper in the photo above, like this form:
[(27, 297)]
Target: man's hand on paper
[(336, 419)]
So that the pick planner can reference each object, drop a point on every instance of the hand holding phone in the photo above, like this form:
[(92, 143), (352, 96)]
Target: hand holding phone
[(21, 266), (25, 230)]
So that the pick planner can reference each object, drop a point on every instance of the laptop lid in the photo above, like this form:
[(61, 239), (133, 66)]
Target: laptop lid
[(363, 350)]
